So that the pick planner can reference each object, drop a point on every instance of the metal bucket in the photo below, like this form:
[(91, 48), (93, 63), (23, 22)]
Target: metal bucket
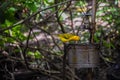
[(83, 55)]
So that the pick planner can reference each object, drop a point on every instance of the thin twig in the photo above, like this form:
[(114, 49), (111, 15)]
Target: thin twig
[(71, 18), (58, 19), (25, 49)]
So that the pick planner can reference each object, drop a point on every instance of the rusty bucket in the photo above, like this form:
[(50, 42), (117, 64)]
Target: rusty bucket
[(83, 55)]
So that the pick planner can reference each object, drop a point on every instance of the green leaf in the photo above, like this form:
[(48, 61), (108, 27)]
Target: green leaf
[(50, 2), (9, 40), (32, 6), (38, 55), (8, 23), (30, 53)]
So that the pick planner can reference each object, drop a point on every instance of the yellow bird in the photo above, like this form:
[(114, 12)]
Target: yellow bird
[(66, 37)]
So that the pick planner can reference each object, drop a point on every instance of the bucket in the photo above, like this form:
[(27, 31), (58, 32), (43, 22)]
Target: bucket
[(83, 55)]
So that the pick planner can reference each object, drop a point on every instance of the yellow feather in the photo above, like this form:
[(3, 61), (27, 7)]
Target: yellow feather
[(64, 40), (75, 38)]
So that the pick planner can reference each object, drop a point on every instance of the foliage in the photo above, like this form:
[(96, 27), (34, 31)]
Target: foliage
[(29, 28)]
